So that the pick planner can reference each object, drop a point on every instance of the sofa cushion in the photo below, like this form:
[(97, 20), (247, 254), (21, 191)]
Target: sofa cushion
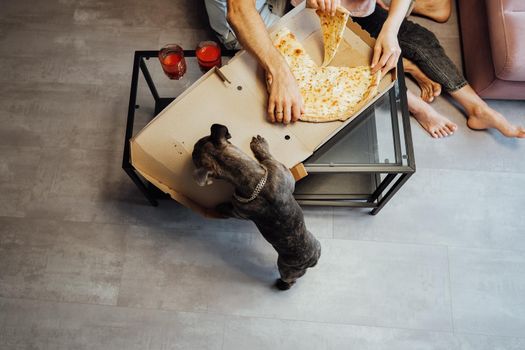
[(507, 37)]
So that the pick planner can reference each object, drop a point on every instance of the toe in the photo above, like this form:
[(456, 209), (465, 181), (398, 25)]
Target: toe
[(425, 95), (430, 96), (449, 130), (437, 89)]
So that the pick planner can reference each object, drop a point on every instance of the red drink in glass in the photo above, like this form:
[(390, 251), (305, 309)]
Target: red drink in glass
[(171, 58), (208, 55)]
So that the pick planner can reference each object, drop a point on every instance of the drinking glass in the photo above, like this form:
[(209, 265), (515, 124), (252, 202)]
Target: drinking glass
[(172, 61), (208, 55)]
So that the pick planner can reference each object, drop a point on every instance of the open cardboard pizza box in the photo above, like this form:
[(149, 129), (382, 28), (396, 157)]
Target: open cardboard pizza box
[(235, 95)]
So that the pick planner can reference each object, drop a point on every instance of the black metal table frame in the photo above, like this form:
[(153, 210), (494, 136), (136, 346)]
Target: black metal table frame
[(394, 171), (149, 191), (376, 200)]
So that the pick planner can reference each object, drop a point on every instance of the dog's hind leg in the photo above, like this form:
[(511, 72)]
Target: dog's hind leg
[(288, 278), (289, 275), (260, 148)]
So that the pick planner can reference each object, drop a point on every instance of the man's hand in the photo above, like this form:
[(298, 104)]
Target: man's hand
[(386, 51), (285, 103), (324, 5)]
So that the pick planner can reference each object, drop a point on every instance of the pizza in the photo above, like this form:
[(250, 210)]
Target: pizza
[(337, 93), (329, 93), (333, 28)]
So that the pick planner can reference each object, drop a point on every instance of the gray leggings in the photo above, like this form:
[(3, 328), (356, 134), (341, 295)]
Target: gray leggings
[(420, 46)]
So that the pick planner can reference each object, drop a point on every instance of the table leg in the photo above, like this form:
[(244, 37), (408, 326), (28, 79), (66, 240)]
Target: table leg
[(149, 81), (133, 175), (382, 186), (397, 185)]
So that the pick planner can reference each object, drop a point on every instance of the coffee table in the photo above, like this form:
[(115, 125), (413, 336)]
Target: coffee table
[(363, 166)]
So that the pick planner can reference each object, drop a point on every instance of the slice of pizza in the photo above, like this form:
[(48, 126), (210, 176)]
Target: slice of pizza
[(292, 50), (333, 28), (302, 66), (329, 93), (338, 92)]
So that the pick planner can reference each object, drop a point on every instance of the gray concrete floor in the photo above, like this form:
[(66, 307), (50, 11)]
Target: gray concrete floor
[(85, 263)]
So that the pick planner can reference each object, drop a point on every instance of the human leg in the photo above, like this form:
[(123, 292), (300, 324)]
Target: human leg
[(423, 48), (481, 116), (437, 10), (420, 46), (429, 88), (434, 123)]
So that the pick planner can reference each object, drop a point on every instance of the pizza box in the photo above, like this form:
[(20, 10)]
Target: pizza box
[(235, 95)]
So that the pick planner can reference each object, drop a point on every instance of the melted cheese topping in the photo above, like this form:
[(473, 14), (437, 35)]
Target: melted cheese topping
[(328, 92), (333, 28)]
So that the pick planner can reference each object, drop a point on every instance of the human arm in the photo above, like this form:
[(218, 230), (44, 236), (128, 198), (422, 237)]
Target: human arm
[(285, 103), (386, 49)]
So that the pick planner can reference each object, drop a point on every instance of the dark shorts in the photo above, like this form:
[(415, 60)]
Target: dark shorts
[(420, 46)]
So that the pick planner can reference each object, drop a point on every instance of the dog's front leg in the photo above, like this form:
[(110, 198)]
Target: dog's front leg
[(260, 148)]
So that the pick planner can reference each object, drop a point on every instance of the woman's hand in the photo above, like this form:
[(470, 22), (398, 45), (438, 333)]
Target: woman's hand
[(386, 51), (329, 6)]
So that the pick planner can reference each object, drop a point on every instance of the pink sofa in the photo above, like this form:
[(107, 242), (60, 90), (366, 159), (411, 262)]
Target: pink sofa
[(493, 39)]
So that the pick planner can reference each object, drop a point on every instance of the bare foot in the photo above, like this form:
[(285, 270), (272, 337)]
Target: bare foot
[(437, 10), (484, 117), (429, 88), (435, 124)]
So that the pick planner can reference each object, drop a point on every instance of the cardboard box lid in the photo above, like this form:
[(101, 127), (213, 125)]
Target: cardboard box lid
[(236, 97)]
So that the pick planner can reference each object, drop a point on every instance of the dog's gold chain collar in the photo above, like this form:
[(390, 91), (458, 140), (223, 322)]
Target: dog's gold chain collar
[(257, 189)]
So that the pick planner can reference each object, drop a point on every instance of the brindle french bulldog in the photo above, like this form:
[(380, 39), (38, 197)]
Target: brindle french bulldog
[(263, 194)]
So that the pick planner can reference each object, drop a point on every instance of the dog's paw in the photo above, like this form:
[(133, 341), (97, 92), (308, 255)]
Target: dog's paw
[(259, 145), (282, 285)]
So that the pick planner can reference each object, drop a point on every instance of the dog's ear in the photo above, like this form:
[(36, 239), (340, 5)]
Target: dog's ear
[(218, 133), (201, 176)]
